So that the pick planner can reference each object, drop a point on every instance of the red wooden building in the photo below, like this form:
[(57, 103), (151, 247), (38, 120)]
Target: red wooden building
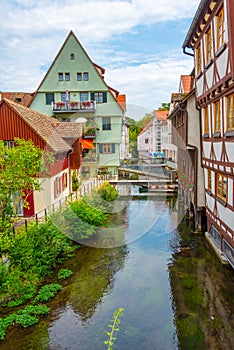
[(62, 139)]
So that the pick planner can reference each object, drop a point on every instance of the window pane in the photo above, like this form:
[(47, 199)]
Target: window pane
[(79, 76), (86, 76), (49, 98), (83, 96), (106, 123), (67, 76), (60, 76)]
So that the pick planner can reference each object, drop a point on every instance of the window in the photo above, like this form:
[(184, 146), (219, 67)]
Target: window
[(84, 96), (86, 76), (107, 148), (49, 97), (60, 76), (208, 46), (67, 76), (72, 56), (57, 187), (99, 97), (106, 123), (230, 112), (220, 29), (65, 96), (206, 121), (64, 181), (9, 144), (146, 140), (217, 117), (221, 186), (209, 180), (198, 59), (79, 76)]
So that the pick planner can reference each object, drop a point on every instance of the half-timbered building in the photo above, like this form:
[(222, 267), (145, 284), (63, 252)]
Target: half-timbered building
[(210, 39)]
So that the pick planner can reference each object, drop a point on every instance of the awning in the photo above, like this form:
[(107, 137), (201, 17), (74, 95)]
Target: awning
[(87, 143)]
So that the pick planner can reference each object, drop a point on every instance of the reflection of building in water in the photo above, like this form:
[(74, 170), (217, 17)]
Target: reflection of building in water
[(200, 292), (95, 278)]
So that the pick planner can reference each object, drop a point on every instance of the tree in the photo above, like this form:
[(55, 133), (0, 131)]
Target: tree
[(165, 106), (19, 171)]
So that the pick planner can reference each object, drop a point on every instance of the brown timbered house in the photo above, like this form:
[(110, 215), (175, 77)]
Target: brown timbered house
[(210, 40), (186, 137)]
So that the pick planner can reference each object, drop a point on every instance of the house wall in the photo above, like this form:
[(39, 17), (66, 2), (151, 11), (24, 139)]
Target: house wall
[(214, 85), (81, 64)]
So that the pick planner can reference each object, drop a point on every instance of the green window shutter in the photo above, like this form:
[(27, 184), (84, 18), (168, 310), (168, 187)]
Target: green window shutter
[(92, 96), (100, 148), (104, 97), (113, 147)]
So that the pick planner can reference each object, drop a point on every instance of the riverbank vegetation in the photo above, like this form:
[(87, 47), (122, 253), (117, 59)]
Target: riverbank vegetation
[(29, 258)]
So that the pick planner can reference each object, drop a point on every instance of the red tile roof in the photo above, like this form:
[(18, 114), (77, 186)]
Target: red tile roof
[(185, 84)]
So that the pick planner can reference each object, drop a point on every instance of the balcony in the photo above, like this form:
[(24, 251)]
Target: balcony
[(73, 107)]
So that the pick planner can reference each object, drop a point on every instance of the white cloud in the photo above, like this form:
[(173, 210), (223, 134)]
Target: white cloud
[(32, 32)]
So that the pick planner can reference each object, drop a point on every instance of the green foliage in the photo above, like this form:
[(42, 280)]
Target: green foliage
[(47, 292), (107, 192), (191, 335), (24, 317), (20, 167), (64, 273), (75, 181), (134, 177), (33, 256), (88, 213), (114, 325), (165, 106)]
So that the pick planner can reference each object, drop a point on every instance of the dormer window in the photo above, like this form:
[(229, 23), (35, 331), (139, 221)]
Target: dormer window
[(72, 56)]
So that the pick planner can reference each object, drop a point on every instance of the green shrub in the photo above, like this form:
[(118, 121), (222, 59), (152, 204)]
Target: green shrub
[(26, 320), (64, 273), (108, 192), (47, 292)]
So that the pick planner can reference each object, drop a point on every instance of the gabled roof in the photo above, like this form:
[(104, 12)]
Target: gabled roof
[(185, 84), (43, 125), (100, 70), (148, 125), (24, 98), (121, 99), (69, 130), (161, 115)]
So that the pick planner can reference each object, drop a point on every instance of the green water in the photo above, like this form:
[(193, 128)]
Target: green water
[(172, 299)]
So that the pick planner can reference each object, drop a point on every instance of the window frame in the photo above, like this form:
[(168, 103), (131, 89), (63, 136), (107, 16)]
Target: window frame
[(67, 76), (79, 76), (82, 98), (86, 76), (199, 59), (220, 29), (51, 99), (206, 120), (230, 112), (106, 123), (209, 180), (209, 46), (217, 116), (60, 76), (221, 187)]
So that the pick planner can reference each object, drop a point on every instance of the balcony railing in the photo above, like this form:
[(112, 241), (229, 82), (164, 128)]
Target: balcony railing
[(69, 107)]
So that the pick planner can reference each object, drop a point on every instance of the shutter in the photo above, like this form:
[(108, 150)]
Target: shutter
[(104, 97), (100, 148), (92, 96), (55, 188), (113, 147)]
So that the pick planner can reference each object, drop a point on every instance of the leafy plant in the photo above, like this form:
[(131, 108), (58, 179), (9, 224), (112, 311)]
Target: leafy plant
[(64, 273), (108, 192), (114, 328), (47, 292)]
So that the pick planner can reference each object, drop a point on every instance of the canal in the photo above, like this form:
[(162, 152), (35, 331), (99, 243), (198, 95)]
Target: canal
[(174, 293)]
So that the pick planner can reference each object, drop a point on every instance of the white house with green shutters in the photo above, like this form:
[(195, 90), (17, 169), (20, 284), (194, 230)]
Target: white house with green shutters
[(74, 89)]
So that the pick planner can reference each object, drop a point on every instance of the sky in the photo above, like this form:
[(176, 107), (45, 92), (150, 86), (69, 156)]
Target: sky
[(138, 42)]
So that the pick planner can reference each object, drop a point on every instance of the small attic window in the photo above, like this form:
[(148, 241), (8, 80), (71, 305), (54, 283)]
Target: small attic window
[(72, 56)]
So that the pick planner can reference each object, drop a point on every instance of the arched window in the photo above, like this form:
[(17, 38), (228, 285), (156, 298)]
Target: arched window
[(72, 56)]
